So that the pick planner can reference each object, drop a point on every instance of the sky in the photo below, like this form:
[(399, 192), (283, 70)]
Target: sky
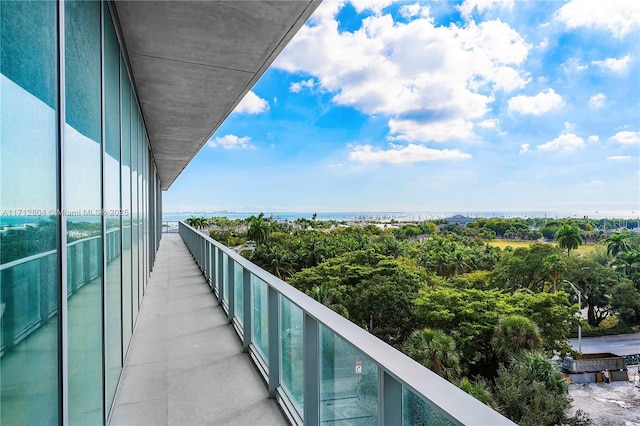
[(479, 105)]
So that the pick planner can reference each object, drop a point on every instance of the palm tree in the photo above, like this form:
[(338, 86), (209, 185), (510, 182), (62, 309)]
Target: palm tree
[(259, 229), (323, 293), (435, 350), (513, 334), (568, 237), (617, 242), (554, 265), (314, 253), (628, 261), (274, 260)]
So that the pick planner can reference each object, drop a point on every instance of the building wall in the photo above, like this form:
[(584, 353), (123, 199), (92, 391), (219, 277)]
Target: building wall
[(80, 202)]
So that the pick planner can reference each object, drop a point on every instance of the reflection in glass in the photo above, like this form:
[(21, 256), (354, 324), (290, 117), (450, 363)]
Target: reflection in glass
[(291, 353), (127, 290), (135, 260), (82, 197), (348, 383), (113, 340), (29, 258)]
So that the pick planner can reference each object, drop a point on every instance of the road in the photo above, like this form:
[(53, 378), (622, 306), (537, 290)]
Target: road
[(622, 344)]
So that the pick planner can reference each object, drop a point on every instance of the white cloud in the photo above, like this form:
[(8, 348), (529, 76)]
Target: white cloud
[(544, 101), (593, 139), (613, 64), (413, 10), (409, 130), (374, 6), (413, 71), (544, 43), (493, 124), (619, 158), (597, 101), (481, 6), (252, 104), (573, 65), (626, 138), (231, 142), (403, 154), (297, 87), (618, 16), (524, 148), (489, 124), (567, 142)]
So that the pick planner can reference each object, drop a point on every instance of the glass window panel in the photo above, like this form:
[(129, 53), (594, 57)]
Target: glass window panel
[(260, 316), (238, 305), (82, 196), (415, 411), (291, 353), (348, 383), (134, 208), (29, 285), (113, 340), (125, 115), (140, 253)]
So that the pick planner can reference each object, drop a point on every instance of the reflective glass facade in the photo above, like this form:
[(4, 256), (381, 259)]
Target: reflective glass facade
[(80, 198)]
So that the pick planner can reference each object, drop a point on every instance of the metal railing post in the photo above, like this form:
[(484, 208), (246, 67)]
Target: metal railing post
[(391, 403)]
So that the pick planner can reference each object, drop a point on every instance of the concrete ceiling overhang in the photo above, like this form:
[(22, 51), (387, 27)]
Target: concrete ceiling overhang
[(192, 62)]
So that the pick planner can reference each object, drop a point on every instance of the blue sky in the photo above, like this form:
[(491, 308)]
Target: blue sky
[(480, 105)]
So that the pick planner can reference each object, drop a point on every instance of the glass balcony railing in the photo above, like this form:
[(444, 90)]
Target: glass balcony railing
[(29, 300), (320, 367)]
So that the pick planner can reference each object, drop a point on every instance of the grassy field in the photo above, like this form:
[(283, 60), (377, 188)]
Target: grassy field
[(583, 249)]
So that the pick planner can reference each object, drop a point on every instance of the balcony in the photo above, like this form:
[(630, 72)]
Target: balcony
[(221, 341), (185, 363)]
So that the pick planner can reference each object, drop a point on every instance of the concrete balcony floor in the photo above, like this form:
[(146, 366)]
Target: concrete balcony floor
[(185, 365)]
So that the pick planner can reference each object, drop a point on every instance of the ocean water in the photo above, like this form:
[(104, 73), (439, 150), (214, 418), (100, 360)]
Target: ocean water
[(398, 216)]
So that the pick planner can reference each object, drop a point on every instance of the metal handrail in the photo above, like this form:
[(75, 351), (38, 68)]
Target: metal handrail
[(457, 405)]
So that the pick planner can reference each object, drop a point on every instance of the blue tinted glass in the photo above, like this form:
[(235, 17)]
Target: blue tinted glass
[(415, 411), (238, 277), (83, 202), (348, 383), (125, 115), (291, 353), (113, 340), (29, 284), (260, 316)]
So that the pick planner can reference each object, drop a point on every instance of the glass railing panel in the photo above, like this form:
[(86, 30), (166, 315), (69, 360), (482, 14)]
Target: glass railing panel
[(348, 383), (225, 277), (291, 353), (260, 316), (237, 283), (26, 298), (415, 411)]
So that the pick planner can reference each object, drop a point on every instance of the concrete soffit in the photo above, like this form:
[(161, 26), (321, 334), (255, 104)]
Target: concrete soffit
[(192, 62)]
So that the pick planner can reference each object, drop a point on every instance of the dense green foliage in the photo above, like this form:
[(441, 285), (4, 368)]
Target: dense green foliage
[(531, 392), (484, 318)]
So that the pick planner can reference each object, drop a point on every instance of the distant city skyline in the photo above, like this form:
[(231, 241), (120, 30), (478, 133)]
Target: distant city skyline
[(474, 106)]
